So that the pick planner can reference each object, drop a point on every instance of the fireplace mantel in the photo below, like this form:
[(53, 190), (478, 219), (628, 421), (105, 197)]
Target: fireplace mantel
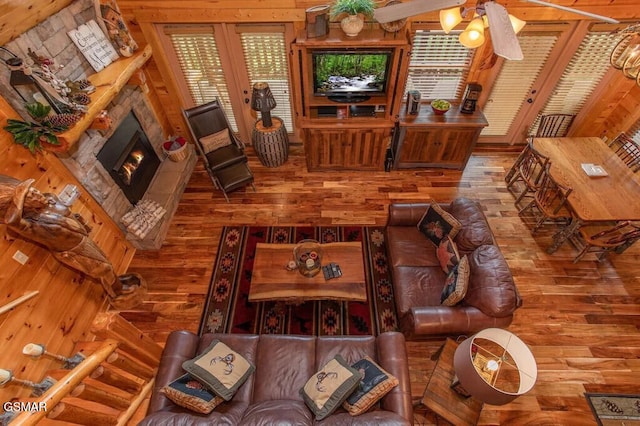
[(108, 83)]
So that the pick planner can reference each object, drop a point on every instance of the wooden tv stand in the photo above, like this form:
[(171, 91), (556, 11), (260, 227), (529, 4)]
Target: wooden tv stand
[(348, 135)]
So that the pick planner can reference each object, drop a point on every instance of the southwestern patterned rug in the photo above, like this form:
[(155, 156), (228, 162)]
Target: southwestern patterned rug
[(614, 409), (228, 310)]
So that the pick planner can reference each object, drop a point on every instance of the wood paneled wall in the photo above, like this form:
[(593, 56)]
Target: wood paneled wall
[(60, 315)]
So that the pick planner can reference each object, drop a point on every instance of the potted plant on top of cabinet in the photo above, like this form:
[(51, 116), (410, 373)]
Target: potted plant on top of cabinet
[(356, 11)]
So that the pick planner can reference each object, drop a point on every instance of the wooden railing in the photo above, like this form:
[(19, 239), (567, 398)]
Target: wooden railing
[(108, 386)]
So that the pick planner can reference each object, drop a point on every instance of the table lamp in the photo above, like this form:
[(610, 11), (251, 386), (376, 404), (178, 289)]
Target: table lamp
[(494, 366), (262, 100)]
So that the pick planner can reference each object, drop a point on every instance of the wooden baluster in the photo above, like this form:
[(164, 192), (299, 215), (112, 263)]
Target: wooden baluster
[(110, 325), (126, 363), (111, 377), (95, 394), (66, 412)]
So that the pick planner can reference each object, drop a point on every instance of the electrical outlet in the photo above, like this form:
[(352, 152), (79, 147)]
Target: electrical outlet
[(20, 257)]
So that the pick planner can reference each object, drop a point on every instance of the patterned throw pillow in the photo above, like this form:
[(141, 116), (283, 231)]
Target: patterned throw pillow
[(436, 224), (456, 284), (329, 387), (189, 393), (215, 141), (447, 253), (375, 384), (220, 368)]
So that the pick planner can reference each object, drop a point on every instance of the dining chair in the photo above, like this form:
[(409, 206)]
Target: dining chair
[(627, 149), (221, 151), (554, 125), (528, 171), (602, 239), (549, 203)]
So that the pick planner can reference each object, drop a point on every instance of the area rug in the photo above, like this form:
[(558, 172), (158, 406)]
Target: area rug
[(614, 409), (228, 309)]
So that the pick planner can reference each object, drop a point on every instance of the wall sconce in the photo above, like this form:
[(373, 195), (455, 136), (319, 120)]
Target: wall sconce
[(473, 35), (626, 55), (36, 350), (262, 100), (6, 376), (26, 84)]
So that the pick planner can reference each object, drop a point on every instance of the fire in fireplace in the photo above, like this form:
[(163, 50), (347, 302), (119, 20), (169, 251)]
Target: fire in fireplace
[(129, 158)]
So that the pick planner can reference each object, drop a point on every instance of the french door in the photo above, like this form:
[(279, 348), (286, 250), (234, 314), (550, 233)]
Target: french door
[(224, 61)]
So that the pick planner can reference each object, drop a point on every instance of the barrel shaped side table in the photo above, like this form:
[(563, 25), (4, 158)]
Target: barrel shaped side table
[(271, 143)]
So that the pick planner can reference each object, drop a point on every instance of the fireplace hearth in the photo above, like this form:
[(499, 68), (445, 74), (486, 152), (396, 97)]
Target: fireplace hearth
[(130, 159)]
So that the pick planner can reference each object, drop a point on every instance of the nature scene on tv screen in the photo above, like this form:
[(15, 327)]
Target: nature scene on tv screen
[(348, 72)]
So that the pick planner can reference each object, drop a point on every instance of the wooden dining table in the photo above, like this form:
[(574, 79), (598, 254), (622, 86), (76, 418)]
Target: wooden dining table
[(611, 198)]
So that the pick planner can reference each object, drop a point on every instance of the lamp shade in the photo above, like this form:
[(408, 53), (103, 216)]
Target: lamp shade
[(495, 366), (473, 36), (262, 99), (449, 18)]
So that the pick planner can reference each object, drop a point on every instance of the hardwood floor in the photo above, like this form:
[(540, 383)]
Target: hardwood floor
[(580, 320)]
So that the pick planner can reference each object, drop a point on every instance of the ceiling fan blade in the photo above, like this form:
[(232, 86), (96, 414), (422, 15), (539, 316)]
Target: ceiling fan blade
[(395, 12), (572, 10), (504, 39)]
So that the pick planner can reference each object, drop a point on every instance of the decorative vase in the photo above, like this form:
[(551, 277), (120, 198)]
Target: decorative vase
[(352, 25), (308, 257)]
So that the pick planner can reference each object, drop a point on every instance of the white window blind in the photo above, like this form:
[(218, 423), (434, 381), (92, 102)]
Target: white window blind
[(583, 74), (439, 65), (634, 132), (265, 55), (199, 61), (514, 83)]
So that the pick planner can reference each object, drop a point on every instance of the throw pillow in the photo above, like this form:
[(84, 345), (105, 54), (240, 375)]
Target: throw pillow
[(189, 393), (220, 368), (330, 386), (215, 141), (447, 253), (456, 284), (436, 224), (374, 384)]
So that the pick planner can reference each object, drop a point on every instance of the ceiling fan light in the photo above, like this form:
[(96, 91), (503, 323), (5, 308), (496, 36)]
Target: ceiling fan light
[(449, 18), (517, 24), (473, 36)]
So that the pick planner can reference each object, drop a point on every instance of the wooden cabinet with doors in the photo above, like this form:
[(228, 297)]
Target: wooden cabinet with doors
[(430, 140), (348, 133)]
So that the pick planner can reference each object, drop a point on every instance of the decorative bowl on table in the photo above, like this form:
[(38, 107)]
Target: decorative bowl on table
[(440, 106), (308, 257)]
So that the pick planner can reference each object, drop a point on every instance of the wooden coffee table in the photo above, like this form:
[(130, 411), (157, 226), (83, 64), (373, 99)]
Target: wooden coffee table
[(271, 281)]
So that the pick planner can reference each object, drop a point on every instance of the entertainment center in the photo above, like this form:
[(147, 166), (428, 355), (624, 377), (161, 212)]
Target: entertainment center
[(348, 94)]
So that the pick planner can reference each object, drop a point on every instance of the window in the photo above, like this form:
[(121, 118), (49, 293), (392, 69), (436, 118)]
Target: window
[(200, 63), (439, 65)]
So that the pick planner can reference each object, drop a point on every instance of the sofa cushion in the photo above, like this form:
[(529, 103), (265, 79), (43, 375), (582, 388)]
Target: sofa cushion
[(417, 286), (220, 368), (436, 224), (475, 230), (491, 287), (447, 253), (277, 412), (327, 389), (407, 246), (215, 141), (189, 393), (374, 384), (456, 284)]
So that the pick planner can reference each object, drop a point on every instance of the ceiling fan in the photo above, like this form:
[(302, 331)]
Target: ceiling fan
[(502, 25)]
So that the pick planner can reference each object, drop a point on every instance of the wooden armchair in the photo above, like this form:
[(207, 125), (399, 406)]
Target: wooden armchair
[(554, 125), (628, 151), (221, 151), (529, 169), (549, 202), (602, 239)]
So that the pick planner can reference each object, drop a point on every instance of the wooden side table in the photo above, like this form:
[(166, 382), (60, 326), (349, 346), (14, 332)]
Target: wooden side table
[(271, 143), (444, 401)]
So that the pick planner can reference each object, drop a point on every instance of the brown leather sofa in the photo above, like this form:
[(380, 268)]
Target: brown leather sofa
[(418, 279), (283, 365)]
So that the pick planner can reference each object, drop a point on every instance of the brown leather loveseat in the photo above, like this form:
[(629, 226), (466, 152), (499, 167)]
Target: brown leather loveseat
[(418, 279), (283, 364)]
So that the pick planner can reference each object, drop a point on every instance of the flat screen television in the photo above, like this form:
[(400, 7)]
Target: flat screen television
[(350, 75)]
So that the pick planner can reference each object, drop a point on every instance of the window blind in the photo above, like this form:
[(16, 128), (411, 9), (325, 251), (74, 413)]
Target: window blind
[(439, 65), (199, 61), (265, 56)]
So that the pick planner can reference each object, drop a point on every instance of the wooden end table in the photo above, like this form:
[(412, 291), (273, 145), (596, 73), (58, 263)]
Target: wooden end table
[(271, 281), (444, 401)]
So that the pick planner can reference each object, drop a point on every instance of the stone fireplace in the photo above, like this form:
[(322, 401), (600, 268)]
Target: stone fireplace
[(163, 181)]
